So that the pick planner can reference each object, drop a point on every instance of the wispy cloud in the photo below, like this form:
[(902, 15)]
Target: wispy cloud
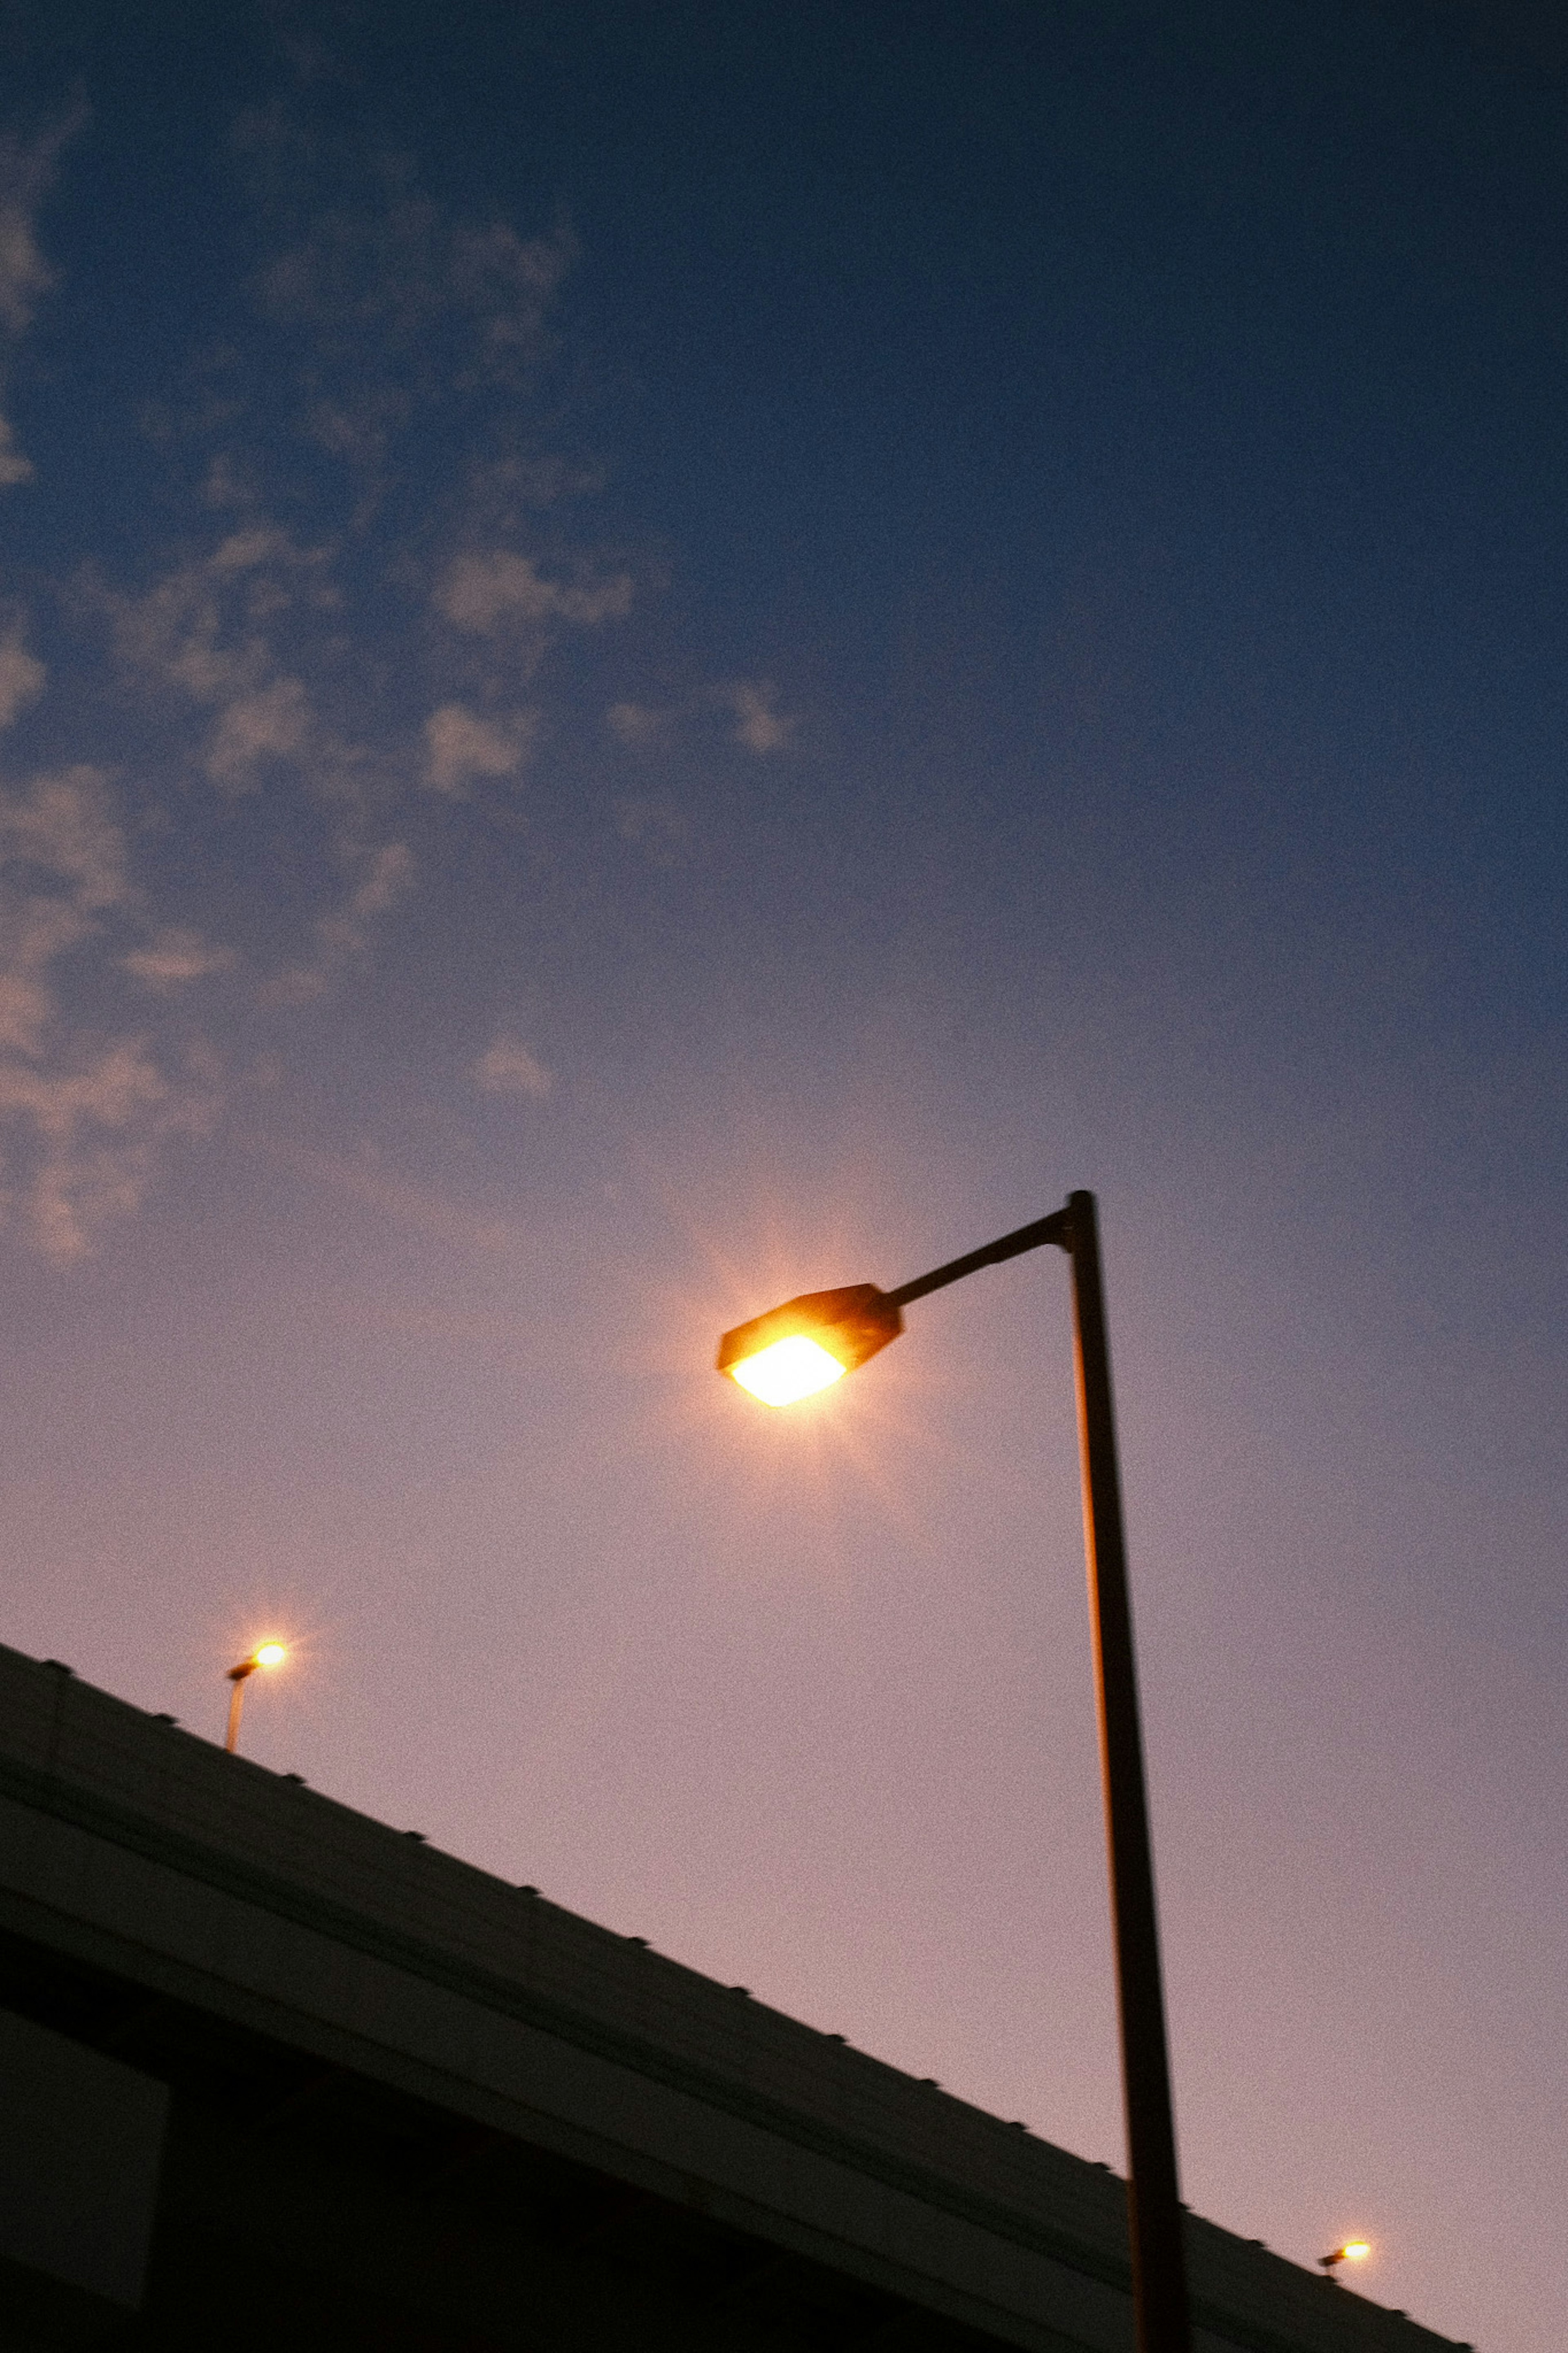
[(638, 723), (385, 274), (209, 631), (389, 874), (399, 305), (63, 827), (325, 697), (62, 864), (81, 1114), (507, 1068), (13, 467), (27, 169), (462, 746), (216, 637), (258, 660), (753, 704), (94, 1130), (273, 723), (405, 1202), (176, 956), (655, 824), (484, 593), (21, 676), (759, 724), (386, 877)]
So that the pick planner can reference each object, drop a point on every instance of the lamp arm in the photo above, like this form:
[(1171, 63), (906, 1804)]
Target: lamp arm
[(1056, 1228)]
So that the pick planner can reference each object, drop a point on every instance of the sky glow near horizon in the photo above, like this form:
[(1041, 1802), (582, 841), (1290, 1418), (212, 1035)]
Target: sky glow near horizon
[(653, 660)]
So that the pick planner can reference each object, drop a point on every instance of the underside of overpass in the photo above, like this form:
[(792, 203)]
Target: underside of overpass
[(272, 2073), (302, 2204)]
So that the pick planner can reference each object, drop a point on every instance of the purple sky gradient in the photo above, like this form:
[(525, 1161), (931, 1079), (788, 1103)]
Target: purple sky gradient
[(654, 664)]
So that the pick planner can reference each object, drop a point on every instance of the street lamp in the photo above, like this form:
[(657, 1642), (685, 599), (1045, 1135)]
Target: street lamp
[(813, 1341), (1354, 2250), (266, 1654)]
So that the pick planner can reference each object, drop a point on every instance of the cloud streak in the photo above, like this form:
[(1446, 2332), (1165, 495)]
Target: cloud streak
[(324, 708), (21, 677), (758, 725), (507, 1068), (485, 593), (81, 1114), (13, 467), (27, 170), (176, 956), (207, 631), (462, 746)]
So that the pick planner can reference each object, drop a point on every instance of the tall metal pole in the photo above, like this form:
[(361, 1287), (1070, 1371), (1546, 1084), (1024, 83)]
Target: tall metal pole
[(1154, 2208), (237, 1676)]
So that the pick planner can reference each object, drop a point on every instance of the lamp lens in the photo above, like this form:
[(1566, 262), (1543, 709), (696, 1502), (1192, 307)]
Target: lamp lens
[(791, 1368)]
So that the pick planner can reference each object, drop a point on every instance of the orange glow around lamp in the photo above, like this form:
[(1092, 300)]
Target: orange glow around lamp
[(266, 1654), (806, 1346)]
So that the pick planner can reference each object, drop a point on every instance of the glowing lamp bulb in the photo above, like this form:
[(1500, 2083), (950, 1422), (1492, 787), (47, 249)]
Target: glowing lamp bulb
[(789, 1369), (1354, 2249), (271, 1654)]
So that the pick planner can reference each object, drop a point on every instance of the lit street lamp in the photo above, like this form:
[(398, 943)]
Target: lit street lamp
[(813, 1341), (266, 1654), (1354, 2250)]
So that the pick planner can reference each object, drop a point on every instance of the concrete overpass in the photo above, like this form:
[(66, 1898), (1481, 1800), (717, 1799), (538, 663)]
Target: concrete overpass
[(272, 2073)]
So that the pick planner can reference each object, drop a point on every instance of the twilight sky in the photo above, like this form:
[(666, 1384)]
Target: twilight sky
[(658, 655)]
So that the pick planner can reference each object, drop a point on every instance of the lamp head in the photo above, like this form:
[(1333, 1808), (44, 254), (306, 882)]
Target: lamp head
[(266, 1654), (809, 1342)]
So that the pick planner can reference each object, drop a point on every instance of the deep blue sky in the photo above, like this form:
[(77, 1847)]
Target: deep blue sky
[(659, 655)]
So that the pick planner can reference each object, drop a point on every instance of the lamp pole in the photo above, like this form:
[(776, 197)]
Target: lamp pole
[(266, 1654), (1154, 2208), (237, 1678), (842, 1328)]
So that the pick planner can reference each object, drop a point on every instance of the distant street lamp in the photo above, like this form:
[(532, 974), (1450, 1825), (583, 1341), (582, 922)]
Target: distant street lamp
[(1354, 2250), (267, 1654), (813, 1341)]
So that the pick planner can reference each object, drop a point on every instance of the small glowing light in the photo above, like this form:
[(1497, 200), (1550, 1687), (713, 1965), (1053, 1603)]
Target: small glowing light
[(1354, 2249), (789, 1369), (271, 1654)]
